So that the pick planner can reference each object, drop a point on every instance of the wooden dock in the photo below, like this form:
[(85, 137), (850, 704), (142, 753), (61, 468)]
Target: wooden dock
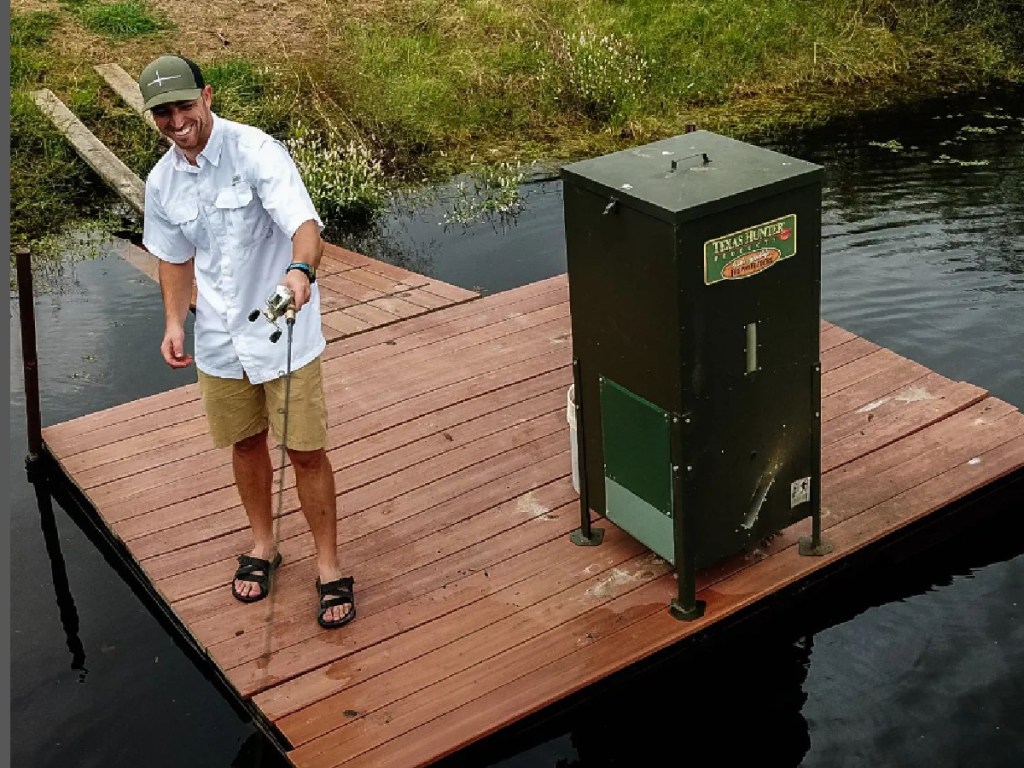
[(450, 446)]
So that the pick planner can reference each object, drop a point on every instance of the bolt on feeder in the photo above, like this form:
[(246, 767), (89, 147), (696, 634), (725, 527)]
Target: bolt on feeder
[(694, 268)]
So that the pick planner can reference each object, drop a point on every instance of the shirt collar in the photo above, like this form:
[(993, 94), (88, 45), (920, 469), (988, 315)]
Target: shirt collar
[(210, 153)]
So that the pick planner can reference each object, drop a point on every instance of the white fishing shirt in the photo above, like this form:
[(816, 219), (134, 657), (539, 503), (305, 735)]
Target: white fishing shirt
[(235, 214)]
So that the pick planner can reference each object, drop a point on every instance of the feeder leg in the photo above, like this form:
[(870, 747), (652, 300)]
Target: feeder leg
[(586, 535), (686, 606)]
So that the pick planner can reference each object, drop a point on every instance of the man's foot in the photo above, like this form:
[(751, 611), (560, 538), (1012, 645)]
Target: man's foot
[(253, 578), (337, 602)]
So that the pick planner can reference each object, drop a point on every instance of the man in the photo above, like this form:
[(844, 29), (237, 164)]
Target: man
[(226, 206)]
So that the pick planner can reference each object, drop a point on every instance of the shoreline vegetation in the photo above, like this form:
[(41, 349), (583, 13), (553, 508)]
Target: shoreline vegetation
[(383, 95)]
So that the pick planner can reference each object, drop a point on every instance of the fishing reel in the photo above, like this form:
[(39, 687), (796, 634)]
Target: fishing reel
[(280, 303)]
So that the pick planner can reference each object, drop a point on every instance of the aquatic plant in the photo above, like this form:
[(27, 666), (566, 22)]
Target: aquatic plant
[(345, 181), (598, 75), (491, 193), (955, 161), (982, 129), (892, 145)]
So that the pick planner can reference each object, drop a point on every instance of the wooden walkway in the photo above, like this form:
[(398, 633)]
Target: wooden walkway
[(450, 446)]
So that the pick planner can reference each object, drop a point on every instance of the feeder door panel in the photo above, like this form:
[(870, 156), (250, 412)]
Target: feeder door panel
[(637, 467)]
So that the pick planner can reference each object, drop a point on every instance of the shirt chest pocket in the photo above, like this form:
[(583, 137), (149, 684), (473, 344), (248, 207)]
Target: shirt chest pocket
[(241, 215), (185, 214)]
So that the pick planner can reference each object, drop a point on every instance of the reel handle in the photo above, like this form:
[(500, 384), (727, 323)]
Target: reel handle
[(289, 318)]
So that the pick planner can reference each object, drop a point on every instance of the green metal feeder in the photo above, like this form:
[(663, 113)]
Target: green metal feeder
[(694, 269)]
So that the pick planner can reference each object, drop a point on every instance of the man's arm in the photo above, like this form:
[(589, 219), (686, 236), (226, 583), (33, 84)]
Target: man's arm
[(307, 248), (176, 289)]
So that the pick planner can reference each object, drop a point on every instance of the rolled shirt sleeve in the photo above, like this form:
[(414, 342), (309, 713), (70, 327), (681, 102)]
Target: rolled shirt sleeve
[(281, 189), (162, 236)]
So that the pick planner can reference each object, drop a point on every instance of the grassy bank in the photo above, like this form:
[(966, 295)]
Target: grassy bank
[(394, 91)]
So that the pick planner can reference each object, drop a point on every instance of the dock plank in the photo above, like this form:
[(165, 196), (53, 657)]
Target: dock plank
[(1003, 425), (412, 462), (471, 485), (371, 680)]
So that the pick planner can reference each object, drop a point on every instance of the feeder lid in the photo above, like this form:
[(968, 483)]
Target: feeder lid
[(691, 175)]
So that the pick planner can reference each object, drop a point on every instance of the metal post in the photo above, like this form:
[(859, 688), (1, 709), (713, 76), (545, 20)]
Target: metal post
[(586, 535), (813, 545), (26, 312), (686, 606)]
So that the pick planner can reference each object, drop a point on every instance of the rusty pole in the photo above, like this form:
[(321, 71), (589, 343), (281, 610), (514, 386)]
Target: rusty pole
[(26, 310)]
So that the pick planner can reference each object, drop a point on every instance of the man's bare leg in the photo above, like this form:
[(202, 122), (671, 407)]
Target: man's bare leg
[(250, 459), (314, 479)]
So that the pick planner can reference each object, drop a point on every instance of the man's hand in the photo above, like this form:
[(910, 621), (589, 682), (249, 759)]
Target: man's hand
[(307, 248), (176, 289), (297, 282), (173, 348)]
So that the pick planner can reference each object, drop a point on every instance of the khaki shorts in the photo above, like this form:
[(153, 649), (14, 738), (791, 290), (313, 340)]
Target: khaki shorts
[(237, 409)]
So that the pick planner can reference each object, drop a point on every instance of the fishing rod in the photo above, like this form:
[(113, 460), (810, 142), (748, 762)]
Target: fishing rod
[(280, 303)]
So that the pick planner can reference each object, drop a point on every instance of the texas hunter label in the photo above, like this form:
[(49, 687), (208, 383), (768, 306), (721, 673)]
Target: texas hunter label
[(749, 251)]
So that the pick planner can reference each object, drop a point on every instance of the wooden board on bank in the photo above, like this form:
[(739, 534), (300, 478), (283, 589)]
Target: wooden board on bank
[(107, 165), (450, 448), (127, 87)]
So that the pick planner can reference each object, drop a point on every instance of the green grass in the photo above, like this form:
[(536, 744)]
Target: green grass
[(50, 185), (32, 30), (429, 88), (130, 18), (251, 93), (595, 74), (30, 33)]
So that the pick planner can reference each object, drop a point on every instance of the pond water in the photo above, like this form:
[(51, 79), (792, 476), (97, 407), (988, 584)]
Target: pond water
[(920, 664)]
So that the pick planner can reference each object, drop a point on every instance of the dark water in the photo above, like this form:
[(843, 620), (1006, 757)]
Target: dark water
[(919, 663)]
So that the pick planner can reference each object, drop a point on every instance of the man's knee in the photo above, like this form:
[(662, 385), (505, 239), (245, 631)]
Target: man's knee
[(251, 444), (309, 461)]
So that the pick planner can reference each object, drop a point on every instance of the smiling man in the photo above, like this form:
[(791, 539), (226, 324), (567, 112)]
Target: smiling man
[(226, 206)]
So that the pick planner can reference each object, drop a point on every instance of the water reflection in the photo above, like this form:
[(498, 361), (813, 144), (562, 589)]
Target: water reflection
[(61, 586), (258, 751)]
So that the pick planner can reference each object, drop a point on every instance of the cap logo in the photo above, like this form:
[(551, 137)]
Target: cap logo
[(160, 80)]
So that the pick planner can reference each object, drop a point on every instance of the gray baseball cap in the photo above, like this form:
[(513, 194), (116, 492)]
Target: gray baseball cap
[(170, 78)]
